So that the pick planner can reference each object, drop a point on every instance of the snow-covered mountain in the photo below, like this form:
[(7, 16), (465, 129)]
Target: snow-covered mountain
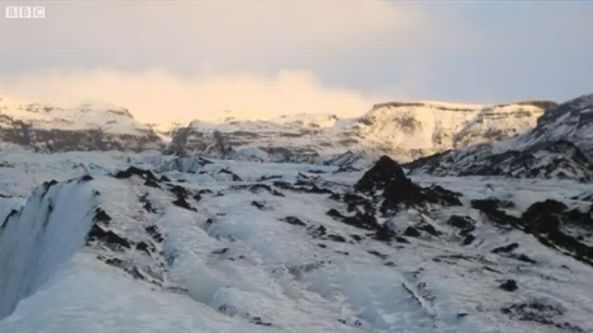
[(560, 146), (404, 131), (123, 242), (90, 126)]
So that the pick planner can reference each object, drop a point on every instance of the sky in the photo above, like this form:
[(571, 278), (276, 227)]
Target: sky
[(182, 60)]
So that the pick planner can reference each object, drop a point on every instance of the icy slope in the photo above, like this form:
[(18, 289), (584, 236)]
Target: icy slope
[(231, 246), (46, 221), (560, 146), (571, 121), (92, 126)]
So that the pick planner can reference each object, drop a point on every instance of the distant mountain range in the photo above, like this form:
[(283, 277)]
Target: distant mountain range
[(404, 131), (85, 127)]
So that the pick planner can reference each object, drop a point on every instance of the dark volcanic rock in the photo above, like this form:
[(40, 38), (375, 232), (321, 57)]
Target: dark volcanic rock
[(146, 174), (441, 195), (255, 188), (259, 204), (509, 285), (101, 216), (464, 223), (107, 237), (386, 189), (181, 193), (317, 232), (363, 221), (151, 183), (469, 239), (384, 172), (412, 232), (293, 220), (429, 229), (181, 202), (387, 181), (234, 176), (145, 247), (385, 234), (146, 204), (540, 210), (506, 249), (491, 208), (58, 140), (546, 220), (85, 178), (336, 238), (580, 219), (541, 313), (154, 233), (301, 186), (335, 214)]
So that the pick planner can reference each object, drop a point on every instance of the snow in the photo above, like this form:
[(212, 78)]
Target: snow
[(402, 130), (88, 115), (559, 144), (232, 267), (45, 222), (424, 129)]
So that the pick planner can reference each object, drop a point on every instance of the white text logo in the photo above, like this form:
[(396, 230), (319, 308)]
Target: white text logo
[(24, 12)]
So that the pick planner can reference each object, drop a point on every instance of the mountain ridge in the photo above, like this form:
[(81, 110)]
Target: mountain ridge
[(560, 145), (404, 131)]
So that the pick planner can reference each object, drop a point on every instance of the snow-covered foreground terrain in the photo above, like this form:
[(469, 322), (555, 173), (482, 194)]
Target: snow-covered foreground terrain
[(88, 244)]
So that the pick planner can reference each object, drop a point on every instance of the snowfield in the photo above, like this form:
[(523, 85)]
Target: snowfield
[(124, 242)]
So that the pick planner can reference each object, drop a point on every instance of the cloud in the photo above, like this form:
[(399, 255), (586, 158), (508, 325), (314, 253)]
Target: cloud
[(262, 37), (486, 52), (159, 96)]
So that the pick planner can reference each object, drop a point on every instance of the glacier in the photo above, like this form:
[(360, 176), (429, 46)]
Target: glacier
[(145, 242)]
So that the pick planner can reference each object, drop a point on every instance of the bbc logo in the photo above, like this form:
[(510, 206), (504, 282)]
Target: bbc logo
[(25, 12)]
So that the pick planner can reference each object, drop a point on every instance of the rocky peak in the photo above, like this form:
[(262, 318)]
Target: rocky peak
[(581, 108), (560, 146), (387, 181), (383, 172)]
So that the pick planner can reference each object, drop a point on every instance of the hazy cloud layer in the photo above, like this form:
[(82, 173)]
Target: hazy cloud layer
[(358, 51), (159, 96)]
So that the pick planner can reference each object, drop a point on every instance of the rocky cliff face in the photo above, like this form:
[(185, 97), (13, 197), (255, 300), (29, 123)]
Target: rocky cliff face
[(48, 128), (571, 121), (404, 131), (560, 146)]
